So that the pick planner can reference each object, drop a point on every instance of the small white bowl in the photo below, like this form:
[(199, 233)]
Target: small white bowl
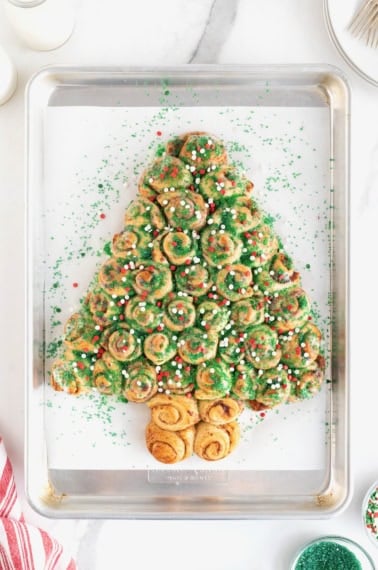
[(369, 507)]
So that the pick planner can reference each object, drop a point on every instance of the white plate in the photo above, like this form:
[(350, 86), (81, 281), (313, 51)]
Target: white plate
[(363, 59)]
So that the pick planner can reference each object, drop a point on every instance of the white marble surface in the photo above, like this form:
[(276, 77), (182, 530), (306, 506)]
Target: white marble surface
[(176, 32)]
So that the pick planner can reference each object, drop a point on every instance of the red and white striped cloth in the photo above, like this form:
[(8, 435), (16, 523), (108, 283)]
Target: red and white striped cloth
[(24, 546)]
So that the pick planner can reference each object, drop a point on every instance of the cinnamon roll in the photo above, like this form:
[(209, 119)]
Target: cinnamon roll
[(143, 315), (262, 347), (259, 246), (234, 282), (144, 214), (159, 347), (289, 309), (81, 334), (203, 150), (212, 316), (169, 446), (225, 182), (107, 375), (220, 411), (213, 380), (196, 346), (173, 412), (165, 173), (140, 382), (184, 209), (179, 312), (179, 247), (152, 280), (213, 442)]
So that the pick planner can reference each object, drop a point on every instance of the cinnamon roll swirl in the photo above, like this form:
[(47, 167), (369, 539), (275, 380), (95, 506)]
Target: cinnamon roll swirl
[(173, 412), (169, 446), (213, 443)]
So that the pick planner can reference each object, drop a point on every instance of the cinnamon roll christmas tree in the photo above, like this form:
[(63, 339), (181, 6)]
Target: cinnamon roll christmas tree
[(198, 312)]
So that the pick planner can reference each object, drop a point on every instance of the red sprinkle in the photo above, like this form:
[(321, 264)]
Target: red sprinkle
[(102, 216), (159, 133), (75, 284)]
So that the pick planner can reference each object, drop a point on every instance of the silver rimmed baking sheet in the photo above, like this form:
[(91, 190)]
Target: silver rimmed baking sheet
[(90, 132)]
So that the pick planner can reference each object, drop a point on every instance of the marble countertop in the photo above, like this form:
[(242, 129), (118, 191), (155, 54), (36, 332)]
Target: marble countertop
[(115, 32)]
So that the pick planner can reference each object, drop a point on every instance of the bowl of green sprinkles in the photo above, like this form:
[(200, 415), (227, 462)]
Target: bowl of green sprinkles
[(370, 513), (332, 553)]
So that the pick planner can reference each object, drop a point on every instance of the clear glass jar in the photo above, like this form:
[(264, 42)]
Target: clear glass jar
[(361, 556), (370, 513), (8, 77), (41, 24)]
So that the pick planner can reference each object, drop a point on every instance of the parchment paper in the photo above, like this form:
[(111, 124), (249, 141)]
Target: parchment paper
[(93, 157)]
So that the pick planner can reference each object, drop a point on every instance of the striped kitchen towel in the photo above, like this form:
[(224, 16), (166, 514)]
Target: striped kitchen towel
[(24, 546)]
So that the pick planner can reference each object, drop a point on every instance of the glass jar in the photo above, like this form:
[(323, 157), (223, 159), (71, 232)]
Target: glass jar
[(370, 513), (41, 24), (315, 550), (8, 77)]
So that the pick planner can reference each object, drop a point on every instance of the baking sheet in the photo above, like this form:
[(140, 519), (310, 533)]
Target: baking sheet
[(93, 157)]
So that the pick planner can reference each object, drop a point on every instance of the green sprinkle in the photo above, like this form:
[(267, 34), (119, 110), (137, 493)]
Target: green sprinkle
[(327, 556)]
